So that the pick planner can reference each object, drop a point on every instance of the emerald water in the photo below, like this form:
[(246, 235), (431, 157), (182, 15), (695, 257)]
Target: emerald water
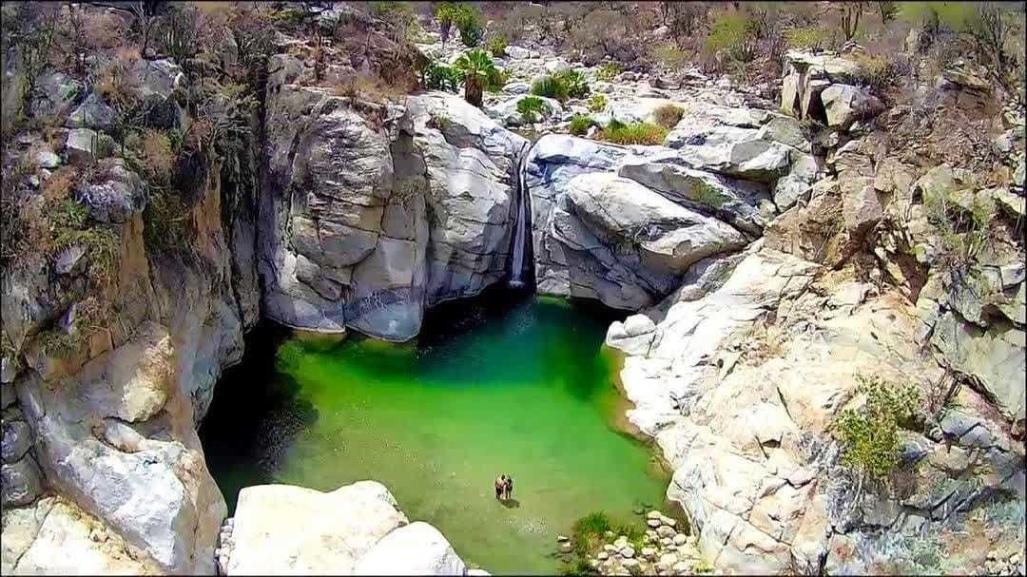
[(503, 384)]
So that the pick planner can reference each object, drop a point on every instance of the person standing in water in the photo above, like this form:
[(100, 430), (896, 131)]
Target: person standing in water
[(501, 487), (509, 486)]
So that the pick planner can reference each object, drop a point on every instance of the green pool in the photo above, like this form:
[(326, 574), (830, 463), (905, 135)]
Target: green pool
[(502, 384)]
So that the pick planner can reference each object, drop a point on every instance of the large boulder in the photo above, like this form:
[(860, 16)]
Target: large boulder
[(622, 224), (845, 104), (55, 537), (416, 549), (357, 529), (147, 481), (739, 142), (422, 210), (92, 113), (610, 238), (114, 194)]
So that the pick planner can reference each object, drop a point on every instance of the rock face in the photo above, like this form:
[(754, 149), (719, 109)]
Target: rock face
[(622, 225), (422, 212), (357, 529), (739, 388), (113, 410), (56, 537)]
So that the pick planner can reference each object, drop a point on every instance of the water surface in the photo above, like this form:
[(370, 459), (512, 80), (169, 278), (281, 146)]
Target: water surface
[(502, 384)]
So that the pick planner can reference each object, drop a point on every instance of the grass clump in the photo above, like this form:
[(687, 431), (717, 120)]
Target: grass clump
[(597, 103), (810, 38), (580, 124), (531, 108), (875, 72), (708, 195), (437, 76), (497, 46), (608, 71), (633, 133), (669, 55), (668, 115), (561, 86), (869, 434), (588, 531)]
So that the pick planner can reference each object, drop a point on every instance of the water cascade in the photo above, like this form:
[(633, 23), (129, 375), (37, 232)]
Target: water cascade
[(521, 233)]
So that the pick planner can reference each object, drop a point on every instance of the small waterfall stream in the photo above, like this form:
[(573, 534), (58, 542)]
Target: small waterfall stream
[(521, 233)]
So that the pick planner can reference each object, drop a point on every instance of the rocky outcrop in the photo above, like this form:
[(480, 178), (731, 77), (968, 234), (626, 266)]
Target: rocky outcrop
[(56, 537), (740, 387), (113, 347), (357, 529), (623, 224), (824, 87), (422, 211)]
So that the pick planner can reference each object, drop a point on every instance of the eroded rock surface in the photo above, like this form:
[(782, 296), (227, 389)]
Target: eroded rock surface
[(422, 211)]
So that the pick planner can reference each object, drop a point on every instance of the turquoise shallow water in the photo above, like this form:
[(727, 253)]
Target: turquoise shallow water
[(493, 387)]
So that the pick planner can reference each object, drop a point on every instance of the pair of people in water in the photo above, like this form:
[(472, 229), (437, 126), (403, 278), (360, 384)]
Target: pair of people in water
[(504, 487)]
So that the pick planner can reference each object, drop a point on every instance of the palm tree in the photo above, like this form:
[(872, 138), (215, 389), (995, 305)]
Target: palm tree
[(479, 73)]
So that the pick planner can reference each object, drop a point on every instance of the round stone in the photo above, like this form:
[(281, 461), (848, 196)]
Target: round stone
[(666, 532), (680, 539), (603, 556), (628, 552), (654, 515), (654, 523)]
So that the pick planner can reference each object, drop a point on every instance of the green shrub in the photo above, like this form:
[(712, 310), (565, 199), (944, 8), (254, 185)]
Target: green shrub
[(952, 16), (668, 55), (633, 133), (531, 108), (167, 222), (608, 71), (811, 38), (497, 46), (561, 86), (668, 115), (550, 87), (735, 34), (580, 124), (597, 103), (869, 434), (445, 14), (577, 85), (441, 77), (468, 23)]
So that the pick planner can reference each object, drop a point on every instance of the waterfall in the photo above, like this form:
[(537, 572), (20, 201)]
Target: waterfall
[(520, 236)]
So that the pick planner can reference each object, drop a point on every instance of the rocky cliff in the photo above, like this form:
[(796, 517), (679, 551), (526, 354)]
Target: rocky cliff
[(779, 256)]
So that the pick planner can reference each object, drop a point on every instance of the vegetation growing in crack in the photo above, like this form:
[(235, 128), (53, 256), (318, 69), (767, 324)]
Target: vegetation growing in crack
[(869, 433)]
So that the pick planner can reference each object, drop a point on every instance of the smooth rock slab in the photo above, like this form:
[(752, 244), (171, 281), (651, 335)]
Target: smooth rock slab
[(416, 549), (356, 529)]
